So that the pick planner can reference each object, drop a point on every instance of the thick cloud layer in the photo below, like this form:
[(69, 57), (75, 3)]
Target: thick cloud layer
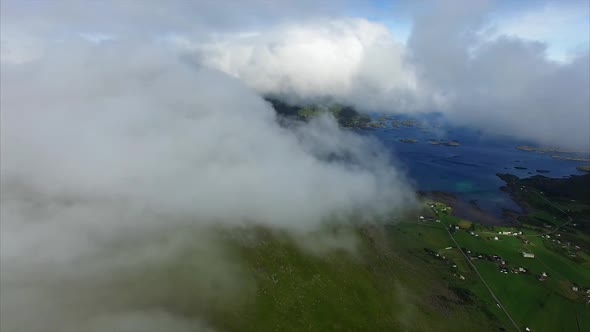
[(354, 61), (505, 85), (455, 61), (180, 139), (102, 144)]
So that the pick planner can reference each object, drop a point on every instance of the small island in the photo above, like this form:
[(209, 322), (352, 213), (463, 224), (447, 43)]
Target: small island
[(544, 149), (444, 143), (570, 158), (583, 169), (573, 155), (403, 123), (408, 140)]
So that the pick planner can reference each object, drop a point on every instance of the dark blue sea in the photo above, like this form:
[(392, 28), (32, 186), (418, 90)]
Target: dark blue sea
[(469, 170)]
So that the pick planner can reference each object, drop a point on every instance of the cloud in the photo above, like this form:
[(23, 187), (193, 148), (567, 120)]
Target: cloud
[(505, 85), (120, 157), (107, 145), (350, 60), (452, 61)]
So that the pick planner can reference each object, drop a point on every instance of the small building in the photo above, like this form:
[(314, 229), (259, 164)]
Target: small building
[(496, 238), (528, 255), (542, 277), (575, 288)]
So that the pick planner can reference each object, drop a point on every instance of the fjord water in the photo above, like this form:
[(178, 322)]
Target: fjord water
[(469, 170)]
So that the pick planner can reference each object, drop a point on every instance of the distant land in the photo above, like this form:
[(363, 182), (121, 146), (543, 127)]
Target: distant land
[(564, 154), (544, 149), (346, 116), (445, 143)]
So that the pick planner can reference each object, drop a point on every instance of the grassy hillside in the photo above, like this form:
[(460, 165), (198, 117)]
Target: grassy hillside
[(411, 276), (415, 274), (388, 283)]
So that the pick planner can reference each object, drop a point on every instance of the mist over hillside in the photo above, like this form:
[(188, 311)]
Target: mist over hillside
[(138, 150)]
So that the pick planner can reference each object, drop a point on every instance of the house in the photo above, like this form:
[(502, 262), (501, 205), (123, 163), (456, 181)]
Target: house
[(575, 288), (496, 238), (528, 255)]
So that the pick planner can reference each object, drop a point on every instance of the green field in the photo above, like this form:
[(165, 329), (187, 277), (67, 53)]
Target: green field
[(388, 283), (406, 275)]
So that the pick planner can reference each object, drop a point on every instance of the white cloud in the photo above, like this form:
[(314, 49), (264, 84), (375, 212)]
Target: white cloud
[(506, 85), (104, 143), (353, 60)]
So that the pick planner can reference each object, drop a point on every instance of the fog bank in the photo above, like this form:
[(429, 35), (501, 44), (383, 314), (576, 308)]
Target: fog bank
[(110, 152)]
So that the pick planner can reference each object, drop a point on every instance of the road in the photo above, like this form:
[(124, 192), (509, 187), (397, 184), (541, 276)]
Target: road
[(474, 269), (483, 281), (569, 220)]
